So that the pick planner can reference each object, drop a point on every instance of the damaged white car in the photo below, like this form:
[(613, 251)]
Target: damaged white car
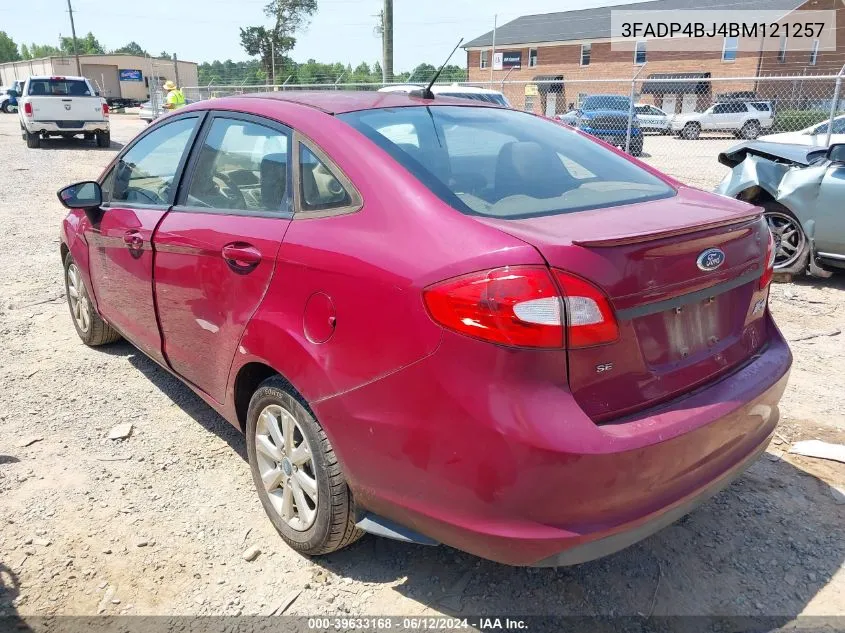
[(802, 190)]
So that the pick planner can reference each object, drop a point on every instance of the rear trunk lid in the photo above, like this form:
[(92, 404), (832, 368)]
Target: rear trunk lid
[(680, 324)]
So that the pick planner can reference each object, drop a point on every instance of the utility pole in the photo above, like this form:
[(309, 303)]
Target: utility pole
[(272, 62), (73, 35), (493, 51), (176, 70), (387, 41)]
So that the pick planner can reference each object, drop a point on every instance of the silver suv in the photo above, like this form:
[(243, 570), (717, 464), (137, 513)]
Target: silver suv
[(745, 119)]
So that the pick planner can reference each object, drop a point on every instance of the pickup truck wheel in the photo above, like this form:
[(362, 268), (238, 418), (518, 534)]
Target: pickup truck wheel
[(792, 248), (296, 473), (5, 107), (103, 139), (89, 326), (33, 141), (691, 131), (750, 130)]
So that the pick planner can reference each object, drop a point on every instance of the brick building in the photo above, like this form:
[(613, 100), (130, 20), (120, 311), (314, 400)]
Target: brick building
[(568, 54)]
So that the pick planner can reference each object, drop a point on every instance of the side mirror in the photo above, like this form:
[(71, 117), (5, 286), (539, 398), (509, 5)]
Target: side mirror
[(836, 153), (82, 195)]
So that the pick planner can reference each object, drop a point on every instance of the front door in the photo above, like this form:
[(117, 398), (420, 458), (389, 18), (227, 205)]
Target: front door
[(138, 193), (830, 212), (216, 251)]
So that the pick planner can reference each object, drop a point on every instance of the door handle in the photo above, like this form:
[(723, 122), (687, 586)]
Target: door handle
[(242, 258), (133, 240)]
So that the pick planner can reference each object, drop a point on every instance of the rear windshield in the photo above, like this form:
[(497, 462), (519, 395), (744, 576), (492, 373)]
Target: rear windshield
[(59, 88), (504, 163), (606, 102)]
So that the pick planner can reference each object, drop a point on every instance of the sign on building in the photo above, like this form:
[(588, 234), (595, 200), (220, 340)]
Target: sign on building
[(128, 74), (507, 59)]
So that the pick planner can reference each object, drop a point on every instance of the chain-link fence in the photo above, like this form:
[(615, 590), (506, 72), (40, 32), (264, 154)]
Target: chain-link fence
[(679, 122)]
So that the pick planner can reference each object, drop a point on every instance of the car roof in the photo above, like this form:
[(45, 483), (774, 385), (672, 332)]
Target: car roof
[(440, 89), (341, 101), (42, 77)]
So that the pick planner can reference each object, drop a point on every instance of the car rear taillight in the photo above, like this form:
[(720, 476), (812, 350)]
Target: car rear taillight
[(590, 319), (523, 307), (514, 305), (106, 110), (769, 271), (27, 109)]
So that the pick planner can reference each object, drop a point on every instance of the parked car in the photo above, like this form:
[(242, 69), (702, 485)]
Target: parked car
[(455, 90), (652, 118), (812, 135), (496, 333), (606, 117), (9, 97), (741, 118), (62, 106), (802, 190)]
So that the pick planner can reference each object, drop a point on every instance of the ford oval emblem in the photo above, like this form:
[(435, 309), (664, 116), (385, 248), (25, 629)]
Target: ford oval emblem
[(711, 259)]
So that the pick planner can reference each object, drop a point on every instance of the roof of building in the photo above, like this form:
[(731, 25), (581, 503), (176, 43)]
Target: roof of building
[(593, 24), (340, 101)]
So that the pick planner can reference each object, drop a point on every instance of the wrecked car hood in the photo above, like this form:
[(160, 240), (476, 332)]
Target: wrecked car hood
[(791, 174)]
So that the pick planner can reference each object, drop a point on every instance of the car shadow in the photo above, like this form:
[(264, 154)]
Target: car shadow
[(764, 548), (8, 459), (76, 144), (180, 395), (10, 619), (836, 281)]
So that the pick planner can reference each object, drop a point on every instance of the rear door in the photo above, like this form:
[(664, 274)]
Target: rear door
[(138, 192), (216, 251)]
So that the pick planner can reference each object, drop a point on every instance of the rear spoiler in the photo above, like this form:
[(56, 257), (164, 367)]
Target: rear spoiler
[(752, 215)]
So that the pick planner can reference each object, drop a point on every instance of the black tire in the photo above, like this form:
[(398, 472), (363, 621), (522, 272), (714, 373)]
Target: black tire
[(637, 149), (750, 130), (33, 141), (691, 131), (5, 107), (797, 264), (103, 139), (98, 331), (334, 525)]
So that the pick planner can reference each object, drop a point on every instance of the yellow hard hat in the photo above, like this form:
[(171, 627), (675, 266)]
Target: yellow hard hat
[(169, 85)]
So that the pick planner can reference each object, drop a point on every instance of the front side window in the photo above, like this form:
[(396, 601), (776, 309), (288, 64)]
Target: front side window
[(320, 189), (508, 164), (241, 166), (639, 53), (146, 173)]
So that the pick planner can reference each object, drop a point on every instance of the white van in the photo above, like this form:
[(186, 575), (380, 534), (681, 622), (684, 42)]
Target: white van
[(455, 90)]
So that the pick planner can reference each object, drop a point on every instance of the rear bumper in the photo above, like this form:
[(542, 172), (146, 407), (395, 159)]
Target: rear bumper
[(53, 127), (474, 448)]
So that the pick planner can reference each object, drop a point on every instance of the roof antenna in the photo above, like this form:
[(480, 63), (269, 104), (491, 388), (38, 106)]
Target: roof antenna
[(426, 93)]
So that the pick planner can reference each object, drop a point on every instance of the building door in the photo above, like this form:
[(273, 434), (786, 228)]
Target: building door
[(689, 103), (551, 104), (670, 104), (104, 77)]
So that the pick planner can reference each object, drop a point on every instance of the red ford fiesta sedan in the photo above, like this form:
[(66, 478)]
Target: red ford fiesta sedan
[(436, 320)]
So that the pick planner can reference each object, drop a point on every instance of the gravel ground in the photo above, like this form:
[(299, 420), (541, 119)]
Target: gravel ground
[(157, 523)]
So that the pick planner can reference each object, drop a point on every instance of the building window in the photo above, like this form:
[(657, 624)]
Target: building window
[(532, 56), (586, 51), (729, 49), (484, 59), (529, 103), (639, 53), (782, 51), (814, 53)]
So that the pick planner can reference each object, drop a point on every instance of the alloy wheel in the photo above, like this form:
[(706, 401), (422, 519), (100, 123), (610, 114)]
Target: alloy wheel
[(286, 465), (80, 306), (789, 238)]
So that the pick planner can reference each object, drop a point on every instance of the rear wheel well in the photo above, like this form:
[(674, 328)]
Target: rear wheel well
[(250, 376), (63, 251)]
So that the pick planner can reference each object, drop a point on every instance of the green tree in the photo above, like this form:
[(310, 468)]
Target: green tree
[(288, 16), (37, 51), (163, 55), (87, 45), (8, 49), (132, 48)]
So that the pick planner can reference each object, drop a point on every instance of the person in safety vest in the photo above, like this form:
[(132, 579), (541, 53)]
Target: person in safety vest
[(174, 98)]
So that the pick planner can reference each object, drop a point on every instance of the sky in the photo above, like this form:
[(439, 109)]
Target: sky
[(340, 31)]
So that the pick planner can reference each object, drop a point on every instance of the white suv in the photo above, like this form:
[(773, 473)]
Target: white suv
[(744, 119)]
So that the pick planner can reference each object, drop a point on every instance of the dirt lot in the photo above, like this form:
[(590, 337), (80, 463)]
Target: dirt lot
[(157, 523)]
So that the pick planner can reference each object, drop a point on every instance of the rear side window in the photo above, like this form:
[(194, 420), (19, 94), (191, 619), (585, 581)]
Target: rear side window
[(59, 88), (241, 166), (320, 189), (762, 106), (508, 164)]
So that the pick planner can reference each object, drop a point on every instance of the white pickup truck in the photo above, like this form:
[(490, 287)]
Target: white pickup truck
[(743, 119), (62, 106)]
